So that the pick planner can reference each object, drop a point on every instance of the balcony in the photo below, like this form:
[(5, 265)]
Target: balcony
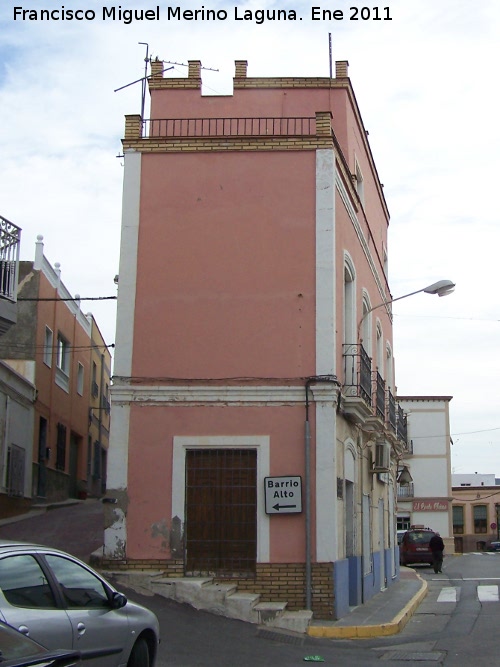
[(10, 241), (391, 411), (379, 386), (405, 491), (366, 399), (402, 430), (357, 389)]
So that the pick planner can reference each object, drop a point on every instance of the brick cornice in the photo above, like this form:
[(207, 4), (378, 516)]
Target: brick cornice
[(213, 144), (157, 83), (288, 82)]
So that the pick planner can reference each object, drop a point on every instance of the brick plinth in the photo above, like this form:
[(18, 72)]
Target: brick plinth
[(274, 582)]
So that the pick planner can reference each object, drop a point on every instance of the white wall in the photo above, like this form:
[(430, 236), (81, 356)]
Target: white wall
[(473, 479), (430, 463)]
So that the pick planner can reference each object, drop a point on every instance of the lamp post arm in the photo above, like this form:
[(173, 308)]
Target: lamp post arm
[(441, 288), (384, 303)]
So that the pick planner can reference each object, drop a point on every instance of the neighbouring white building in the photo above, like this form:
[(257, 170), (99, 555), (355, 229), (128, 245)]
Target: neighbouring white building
[(473, 479), (424, 471), (17, 399)]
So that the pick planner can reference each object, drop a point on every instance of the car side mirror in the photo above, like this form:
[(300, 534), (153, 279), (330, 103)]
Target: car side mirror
[(118, 600)]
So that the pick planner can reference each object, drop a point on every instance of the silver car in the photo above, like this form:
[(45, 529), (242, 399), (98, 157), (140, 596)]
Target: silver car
[(62, 603)]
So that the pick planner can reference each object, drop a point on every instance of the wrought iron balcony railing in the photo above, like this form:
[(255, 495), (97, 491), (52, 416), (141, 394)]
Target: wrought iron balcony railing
[(405, 490), (402, 429), (357, 372), (391, 411), (10, 242), (379, 395)]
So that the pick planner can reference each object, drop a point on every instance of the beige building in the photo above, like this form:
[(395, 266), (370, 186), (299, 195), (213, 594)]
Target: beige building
[(476, 511)]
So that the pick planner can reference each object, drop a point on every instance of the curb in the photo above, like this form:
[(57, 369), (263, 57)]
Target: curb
[(368, 631)]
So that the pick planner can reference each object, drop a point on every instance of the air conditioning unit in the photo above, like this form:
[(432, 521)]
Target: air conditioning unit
[(382, 457)]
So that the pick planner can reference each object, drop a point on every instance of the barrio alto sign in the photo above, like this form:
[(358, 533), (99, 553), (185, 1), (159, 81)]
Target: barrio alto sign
[(431, 505), (283, 494)]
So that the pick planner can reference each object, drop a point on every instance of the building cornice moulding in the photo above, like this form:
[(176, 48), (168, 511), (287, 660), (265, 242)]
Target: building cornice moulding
[(235, 396)]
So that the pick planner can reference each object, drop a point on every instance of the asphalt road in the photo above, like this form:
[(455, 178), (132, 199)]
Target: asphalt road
[(449, 633)]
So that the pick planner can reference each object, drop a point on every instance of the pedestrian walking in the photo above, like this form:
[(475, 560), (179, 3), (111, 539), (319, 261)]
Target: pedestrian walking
[(436, 545)]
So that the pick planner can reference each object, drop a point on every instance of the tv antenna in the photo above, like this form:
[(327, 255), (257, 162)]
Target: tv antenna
[(143, 80), (171, 62)]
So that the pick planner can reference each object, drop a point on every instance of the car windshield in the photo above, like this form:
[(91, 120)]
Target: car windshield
[(419, 537)]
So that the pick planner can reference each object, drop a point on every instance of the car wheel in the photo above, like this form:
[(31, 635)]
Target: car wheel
[(139, 657)]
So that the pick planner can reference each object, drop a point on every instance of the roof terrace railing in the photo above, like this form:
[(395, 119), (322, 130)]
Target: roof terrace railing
[(229, 127)]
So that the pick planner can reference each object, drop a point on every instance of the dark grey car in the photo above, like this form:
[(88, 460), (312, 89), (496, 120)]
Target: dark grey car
[(62, 603)]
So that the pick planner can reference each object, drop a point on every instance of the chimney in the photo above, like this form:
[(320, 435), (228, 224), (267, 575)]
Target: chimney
[(194, 69), (241, 69), (341, 67), (157, 68)]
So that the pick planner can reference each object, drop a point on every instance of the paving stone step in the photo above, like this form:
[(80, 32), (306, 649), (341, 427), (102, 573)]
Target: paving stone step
[(265, 613), (223, 599)]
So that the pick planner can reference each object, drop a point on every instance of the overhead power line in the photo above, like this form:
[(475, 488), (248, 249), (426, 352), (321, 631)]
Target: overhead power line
[(71, 298)]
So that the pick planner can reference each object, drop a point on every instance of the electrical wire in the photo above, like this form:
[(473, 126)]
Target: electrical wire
[(72, 298)]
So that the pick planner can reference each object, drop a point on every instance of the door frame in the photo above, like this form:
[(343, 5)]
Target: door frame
[(259, 442)]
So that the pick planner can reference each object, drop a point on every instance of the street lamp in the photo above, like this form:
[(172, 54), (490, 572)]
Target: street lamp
[(441, 288)]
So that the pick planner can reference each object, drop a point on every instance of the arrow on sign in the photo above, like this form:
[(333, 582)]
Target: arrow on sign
[(279, 507)]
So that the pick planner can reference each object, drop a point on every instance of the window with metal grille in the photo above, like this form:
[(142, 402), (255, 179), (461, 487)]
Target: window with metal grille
[(62, 362), (96, 472), (61, 447), (80, 379), (480, 518), (15, 470), (62, 354), (458, 519), (47, 348)]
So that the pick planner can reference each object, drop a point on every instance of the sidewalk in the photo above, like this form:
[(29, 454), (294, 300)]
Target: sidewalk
[(385, 614)]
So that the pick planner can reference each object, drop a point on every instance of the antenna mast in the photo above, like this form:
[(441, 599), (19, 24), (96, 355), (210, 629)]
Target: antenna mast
[(146, 61), (330, 53)]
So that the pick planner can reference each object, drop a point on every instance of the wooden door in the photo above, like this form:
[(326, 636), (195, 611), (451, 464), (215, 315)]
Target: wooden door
[(221, 512)]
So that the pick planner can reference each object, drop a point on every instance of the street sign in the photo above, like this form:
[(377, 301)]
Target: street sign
[(283, 494)]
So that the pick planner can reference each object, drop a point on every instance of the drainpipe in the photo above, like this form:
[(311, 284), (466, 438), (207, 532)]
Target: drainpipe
[(307, 456), (307, 446)]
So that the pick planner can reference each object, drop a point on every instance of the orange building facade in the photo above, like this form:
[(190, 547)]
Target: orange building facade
[(51, 347)]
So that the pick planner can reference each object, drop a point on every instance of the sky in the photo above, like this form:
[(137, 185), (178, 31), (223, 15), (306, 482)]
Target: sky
[(425, 77)]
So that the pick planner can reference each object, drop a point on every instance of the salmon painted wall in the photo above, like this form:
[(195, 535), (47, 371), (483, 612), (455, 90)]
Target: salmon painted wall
[(250, 102), (348, 241), (278, 102), (153, 429), (227, 257), (263, 102)]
